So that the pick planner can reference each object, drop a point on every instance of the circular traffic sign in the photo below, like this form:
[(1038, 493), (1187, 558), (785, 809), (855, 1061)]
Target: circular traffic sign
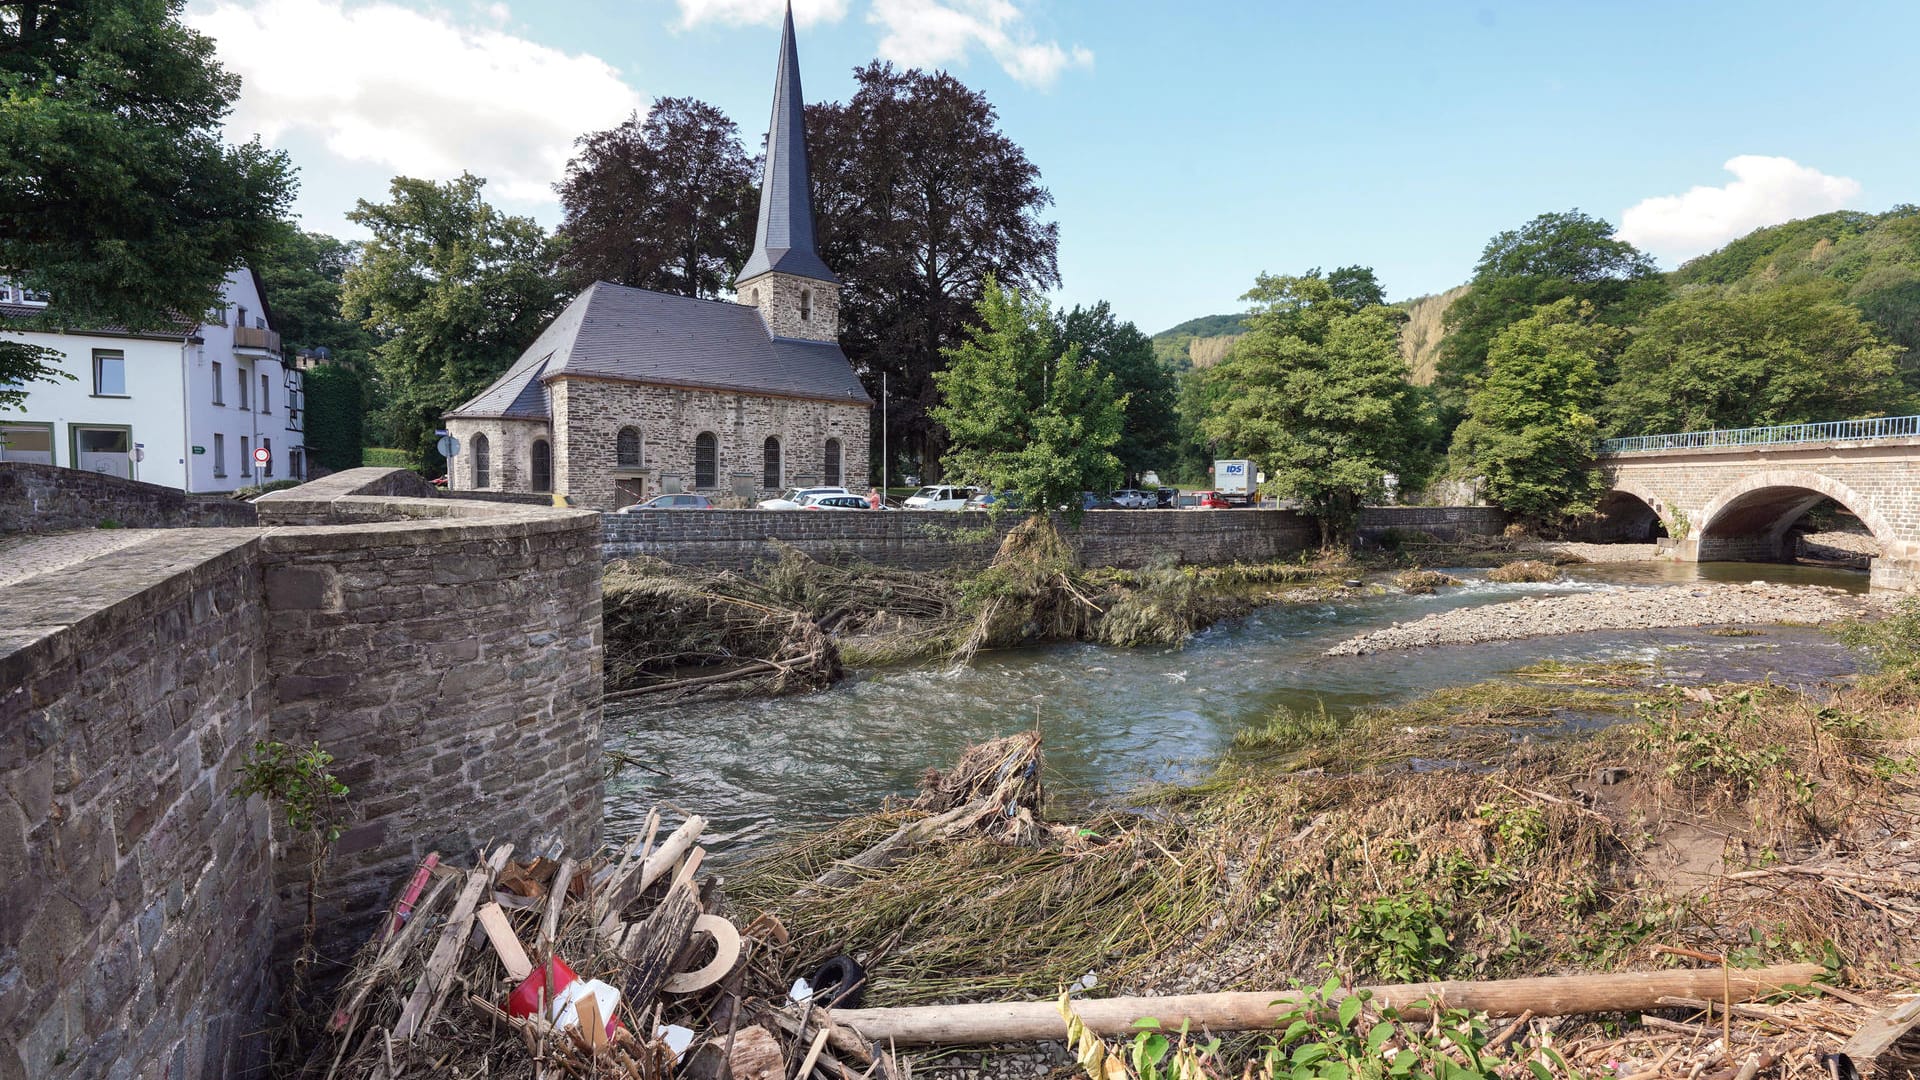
[(261, 455)]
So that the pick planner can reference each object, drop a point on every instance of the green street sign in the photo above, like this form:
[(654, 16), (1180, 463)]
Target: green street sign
[(199, 449)]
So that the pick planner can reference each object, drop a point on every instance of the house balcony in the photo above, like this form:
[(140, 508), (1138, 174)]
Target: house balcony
[(253, 339)]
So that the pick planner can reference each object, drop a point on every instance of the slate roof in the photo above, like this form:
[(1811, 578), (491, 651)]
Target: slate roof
[(642, 336), (783, 239), (180, 328)]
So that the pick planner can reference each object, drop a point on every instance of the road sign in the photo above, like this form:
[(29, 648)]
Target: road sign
[(139, 451), (199, 449), (262, 455), (448, 446)]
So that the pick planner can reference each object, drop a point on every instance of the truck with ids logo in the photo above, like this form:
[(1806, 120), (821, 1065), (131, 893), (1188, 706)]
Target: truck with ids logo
[(1237, 481)]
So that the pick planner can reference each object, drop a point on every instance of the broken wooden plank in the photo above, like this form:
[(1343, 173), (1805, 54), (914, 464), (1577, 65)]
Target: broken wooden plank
[(622, 891), (1028, 1021), (652, 946), (556, 900), (430, 991), (1881, 1031)]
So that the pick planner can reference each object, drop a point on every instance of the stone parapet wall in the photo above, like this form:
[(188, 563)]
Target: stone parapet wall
[(49, 498), (136, 932), (446, 652), (924, 540)]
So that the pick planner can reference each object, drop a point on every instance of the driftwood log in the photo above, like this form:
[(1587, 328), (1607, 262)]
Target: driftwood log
[(1038, 1021), (652, 946)]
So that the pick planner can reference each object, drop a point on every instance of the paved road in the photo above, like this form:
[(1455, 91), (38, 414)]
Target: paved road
[(25, 557)]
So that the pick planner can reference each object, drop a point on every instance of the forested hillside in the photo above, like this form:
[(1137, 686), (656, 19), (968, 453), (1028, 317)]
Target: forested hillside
[(1871, 261), (1197, 343)]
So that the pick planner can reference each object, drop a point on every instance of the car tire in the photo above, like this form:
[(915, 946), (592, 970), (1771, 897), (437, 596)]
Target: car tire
[(839, 983)]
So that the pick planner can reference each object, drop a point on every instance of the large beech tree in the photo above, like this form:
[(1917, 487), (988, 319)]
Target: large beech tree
[(118, 198), (666, 203), (920, 199)]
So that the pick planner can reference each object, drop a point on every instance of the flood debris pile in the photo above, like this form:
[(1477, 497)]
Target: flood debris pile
[(621, 966), (794, 623), (1524, 570), (1731, 827), (669, 629)]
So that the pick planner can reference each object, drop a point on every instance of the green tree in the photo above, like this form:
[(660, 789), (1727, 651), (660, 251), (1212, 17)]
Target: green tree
[(1531, 422), (303, 273), (1148, 435), (335, 415), (1357, 285), (1714, 359), (455, 289), (1025, 413), (118, 199), (1317, 393), (1553, 256)]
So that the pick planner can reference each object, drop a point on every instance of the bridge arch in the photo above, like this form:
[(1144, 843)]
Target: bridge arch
[(1750, 518), (1631, 511)]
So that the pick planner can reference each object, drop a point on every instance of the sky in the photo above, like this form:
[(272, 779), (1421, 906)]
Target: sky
[(1189, 146)]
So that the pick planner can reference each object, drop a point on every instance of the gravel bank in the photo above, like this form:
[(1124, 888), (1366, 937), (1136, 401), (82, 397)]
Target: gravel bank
[(1700, 604), (1597, 553)]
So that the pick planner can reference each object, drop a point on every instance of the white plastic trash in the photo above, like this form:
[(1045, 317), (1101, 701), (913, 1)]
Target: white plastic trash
[(606, 995)]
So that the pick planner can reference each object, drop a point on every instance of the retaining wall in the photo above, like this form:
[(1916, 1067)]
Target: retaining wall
[(48, 498), (446, 652), (741, 539), (918, 540)]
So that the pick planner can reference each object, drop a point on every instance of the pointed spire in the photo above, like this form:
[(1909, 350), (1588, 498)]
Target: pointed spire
[(784, 239)]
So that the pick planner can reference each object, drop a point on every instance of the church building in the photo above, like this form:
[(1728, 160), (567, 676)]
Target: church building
[(632, 393)]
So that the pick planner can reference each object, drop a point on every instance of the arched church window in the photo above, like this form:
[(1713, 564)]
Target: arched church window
[(806, 305), (542, 466), (482, 462), (626, 447), (770, 463), (833, 463), (706, 460)]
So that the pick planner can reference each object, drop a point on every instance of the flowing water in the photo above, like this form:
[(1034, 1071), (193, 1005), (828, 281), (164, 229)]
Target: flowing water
[(1114, 719)]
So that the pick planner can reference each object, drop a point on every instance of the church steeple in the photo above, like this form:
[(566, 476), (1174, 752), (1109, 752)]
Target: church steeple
[(783, 242)]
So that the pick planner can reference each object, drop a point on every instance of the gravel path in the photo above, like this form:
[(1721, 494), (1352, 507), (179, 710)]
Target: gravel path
[(1700, 604)]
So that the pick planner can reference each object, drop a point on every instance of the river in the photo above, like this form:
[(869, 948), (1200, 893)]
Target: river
[(1114, 719)]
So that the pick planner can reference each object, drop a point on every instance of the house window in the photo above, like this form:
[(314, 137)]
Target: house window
[(246, 454), (542, 466), (242, 320), (806, 305), (27, 442), (241, 384), (219, 455), (706, 461), (833, 463), (219, 393), (266, 467), (264, 384), (106, 450), (482, 462), (770, 463), (109, 373), (297, 464), (626, 448)]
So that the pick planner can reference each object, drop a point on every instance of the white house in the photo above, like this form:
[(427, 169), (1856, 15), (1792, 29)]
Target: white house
[(187, 407)]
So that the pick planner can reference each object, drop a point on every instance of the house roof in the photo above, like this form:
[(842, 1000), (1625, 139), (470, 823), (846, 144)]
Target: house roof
[(783, 239), (642, 336), (180, 329)]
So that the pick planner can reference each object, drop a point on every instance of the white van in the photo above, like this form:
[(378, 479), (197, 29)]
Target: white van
[(941, 497)]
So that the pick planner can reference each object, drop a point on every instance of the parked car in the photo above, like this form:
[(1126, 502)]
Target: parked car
[(1090, 500), (836, 502), (941, 497), (1206, 500), (990, 500), (795, 498), (669, 502), (1132, 499), (1163, 498)]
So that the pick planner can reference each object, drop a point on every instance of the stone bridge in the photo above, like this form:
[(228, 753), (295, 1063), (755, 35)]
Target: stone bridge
[(1735, 495)]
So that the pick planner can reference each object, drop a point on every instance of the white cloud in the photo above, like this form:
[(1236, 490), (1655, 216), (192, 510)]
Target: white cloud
[(1765, 191), (414, 92), (929, 33), (759, 12)]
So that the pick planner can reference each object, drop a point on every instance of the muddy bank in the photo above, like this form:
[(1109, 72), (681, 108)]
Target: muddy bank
[(1595, 553), (1701, 604)]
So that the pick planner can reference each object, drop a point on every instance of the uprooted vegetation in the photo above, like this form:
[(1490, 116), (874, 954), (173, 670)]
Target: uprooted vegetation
[(1476, 833), (796, 623)]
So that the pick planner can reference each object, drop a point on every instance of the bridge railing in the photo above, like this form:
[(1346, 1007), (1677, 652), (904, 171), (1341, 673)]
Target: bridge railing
[(1885, 427)]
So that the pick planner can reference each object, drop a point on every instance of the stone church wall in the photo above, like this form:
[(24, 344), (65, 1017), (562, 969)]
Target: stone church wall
[(447, 652), (778, 298), (589, 413), (509, 453)]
